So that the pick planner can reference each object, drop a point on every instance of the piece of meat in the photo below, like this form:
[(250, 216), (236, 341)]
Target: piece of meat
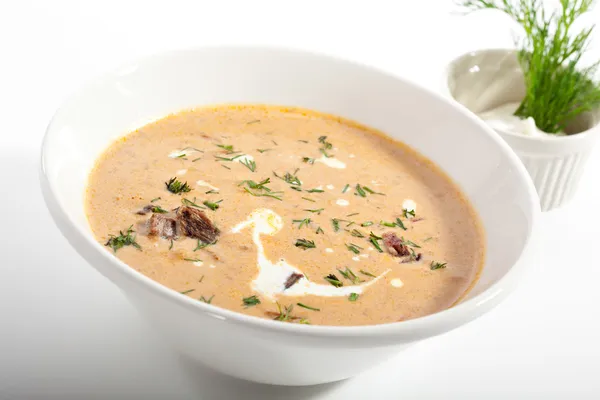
[(394, 245), (163, 226), (292, 280), (195, 224)]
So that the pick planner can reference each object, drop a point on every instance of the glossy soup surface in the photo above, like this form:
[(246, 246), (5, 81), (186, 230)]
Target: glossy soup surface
[(351, 228)]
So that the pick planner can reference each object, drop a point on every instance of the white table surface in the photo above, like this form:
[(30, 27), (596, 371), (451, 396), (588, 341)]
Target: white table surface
[(67, 333)]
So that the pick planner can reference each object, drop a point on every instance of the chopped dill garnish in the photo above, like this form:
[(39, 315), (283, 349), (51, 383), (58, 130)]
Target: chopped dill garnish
[(372, 192), (304, 321), (315, 191), (305, 244), (250, 164), (320, 230), (274, 142), (360, 191), (211, 191), (408, 213), (296, 188), (374, 239), (256, 121), (126, 238), (400, 224), (207, 301), (353, 248), (260, 189), (227, 147), (308, 160), (250, 301), (213, 206), (336, 224), (388, 224), (353, 297), (229, 158), (191, 203), (196, 159), (292, 179), (437, 265), (193, 259), (182, 156), (200, 245), (154, 199), (201, 279), (325, 146), (352, 215), (308, 307), (367, 273), (316, 211), (428, 239), (302, 222), (345, 189), (225, 166), (175, 186), (158, 210), (285, 313), (307, 199), (263, 150), (187, 291), (350, 223), (303, 141), (366, 223), (351, 276), (171, 244), (331, 278), (357, 233)]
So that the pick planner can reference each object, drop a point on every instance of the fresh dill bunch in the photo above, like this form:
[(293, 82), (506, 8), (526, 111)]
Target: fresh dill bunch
[(558, 88)]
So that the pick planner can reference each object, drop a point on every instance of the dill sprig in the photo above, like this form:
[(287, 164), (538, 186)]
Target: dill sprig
[(305, 244), (250, 301), (177, 187), (126, 238), (558, 87)]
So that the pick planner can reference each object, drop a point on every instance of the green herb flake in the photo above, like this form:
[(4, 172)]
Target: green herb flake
[(285, 313), (316, 211), (193, 259), (302, 222), (357, 233), (308, 160), (212, 205), (205, 300), (309, 199), (315, 191), (345, 189), (305, 244), (351, 276), (250, 301), (263, 150), (126, 238), (154, 199), (353, 297), (187, 291), (374, 239), (175, 186), (367, 223), (308, 307), (437, 265), (367, 273), (191, 203), (360, 191), (353, 248), (331, 278), (250, 164), (319, 230)]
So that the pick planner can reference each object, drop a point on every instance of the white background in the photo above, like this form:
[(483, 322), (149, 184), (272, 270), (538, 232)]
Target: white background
[(67, 333)]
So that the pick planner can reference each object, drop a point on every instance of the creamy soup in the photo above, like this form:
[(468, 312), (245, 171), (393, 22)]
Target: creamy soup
[(286, 214)]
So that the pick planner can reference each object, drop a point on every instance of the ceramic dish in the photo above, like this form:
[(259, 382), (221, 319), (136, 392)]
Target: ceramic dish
[(484, 79), (262, 350)]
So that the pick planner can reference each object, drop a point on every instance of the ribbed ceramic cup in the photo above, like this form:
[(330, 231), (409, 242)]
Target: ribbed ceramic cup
[(485, 79)]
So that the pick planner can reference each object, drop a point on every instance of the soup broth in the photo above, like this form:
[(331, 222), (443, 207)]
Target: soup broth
[(286, 214)]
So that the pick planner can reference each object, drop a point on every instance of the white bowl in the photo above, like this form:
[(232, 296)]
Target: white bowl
[(485, 79), (258, 349)]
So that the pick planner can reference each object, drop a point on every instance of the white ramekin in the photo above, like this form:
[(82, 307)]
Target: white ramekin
[(485, 79), (258, 349)]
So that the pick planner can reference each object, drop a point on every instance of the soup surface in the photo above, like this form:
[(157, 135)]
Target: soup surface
[(286, 214)]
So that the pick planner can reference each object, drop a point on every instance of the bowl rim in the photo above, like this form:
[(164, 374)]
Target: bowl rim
[(396, 331), (510, 51)]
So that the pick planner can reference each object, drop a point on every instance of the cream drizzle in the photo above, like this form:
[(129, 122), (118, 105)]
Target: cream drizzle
[(271, 276), (331, 162)]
